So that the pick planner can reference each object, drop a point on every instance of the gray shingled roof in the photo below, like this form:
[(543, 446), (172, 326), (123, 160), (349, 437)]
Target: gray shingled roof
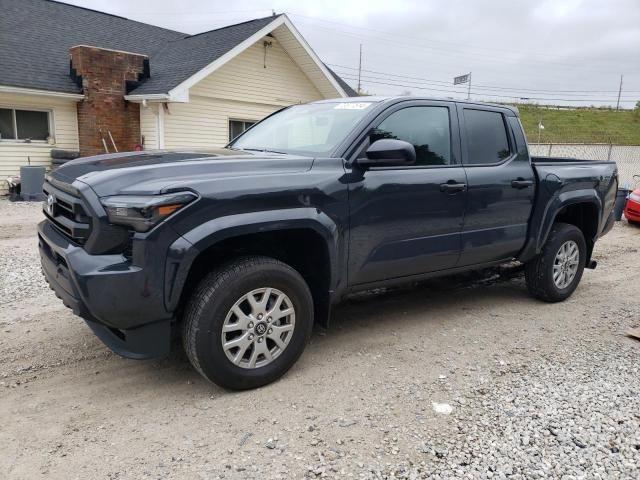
[(36, 35), (181, 59), (345, 86)]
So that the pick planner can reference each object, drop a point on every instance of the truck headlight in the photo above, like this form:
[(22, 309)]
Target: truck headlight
[(142, 213), (635, 197)]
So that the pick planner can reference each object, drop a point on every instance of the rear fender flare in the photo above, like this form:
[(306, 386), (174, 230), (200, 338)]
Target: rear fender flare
[(561, 201), (185, 250)]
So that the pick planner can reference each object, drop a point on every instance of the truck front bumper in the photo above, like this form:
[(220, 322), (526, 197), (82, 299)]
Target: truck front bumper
[(120, 302)]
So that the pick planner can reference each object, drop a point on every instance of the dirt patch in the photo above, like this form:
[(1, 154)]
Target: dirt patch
[(534, 390)]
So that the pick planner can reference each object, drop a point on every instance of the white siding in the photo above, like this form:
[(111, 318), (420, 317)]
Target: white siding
[(64, 121), (149, 126), (242, 89), (204, 122), (298, 53), (246, 79)]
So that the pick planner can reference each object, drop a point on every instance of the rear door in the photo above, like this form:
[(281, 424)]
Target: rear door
[(501, 184), (407, 220)]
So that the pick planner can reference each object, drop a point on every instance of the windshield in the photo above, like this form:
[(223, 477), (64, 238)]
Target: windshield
[(311, 129)]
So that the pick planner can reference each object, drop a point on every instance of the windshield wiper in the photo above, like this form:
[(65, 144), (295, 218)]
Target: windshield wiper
[(264, 150)]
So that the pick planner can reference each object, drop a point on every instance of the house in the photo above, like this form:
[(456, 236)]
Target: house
[(78, 79)]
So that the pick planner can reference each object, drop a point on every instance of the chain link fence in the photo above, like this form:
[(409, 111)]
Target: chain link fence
[(627, 157)]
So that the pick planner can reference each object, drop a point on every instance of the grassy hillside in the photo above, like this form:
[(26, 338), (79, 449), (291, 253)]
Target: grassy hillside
[(584, 125)]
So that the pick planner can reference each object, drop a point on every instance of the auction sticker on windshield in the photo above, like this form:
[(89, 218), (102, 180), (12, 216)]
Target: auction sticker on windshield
[(352, 106)]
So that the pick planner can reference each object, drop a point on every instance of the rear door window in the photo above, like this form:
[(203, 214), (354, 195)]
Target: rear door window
[(486, 136)]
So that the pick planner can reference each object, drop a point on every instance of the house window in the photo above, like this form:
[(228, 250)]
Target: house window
[(29, 125), (236, 127)]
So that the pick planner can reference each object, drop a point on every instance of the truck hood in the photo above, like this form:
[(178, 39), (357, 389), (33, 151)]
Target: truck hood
[(151, 172)]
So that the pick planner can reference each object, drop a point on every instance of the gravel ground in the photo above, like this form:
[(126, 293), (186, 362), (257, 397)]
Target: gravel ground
[(453, 379)]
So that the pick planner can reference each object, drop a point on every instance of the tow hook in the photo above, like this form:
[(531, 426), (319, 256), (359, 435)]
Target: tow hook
[(592, 264)]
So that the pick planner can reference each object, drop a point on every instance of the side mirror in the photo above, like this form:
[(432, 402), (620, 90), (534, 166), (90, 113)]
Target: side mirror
[(388, 152)]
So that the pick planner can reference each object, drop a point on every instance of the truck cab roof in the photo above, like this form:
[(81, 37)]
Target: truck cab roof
[(404, 98)]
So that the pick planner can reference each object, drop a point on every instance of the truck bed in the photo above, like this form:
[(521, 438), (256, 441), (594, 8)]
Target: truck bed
[(563, 181)]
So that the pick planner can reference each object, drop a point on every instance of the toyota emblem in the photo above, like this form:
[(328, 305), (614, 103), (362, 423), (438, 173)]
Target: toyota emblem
[(261, 328), (51, 201)]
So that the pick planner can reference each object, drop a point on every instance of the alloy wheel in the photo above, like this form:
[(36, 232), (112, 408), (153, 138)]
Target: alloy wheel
[(565, 265), (258, 328)]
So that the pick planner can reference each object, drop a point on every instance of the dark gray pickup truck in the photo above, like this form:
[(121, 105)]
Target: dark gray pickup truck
[(241, 250)]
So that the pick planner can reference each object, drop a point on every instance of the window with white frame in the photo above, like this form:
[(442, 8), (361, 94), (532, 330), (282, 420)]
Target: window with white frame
[(236, 127), (26, 125)]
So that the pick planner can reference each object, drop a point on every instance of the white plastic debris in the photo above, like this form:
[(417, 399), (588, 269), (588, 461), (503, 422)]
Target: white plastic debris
[(443, 408)]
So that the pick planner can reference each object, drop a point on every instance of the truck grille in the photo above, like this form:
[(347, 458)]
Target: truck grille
[(67, 213)]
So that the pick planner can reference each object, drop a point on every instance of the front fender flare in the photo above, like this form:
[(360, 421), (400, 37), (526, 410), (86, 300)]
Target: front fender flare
[(184, 251)]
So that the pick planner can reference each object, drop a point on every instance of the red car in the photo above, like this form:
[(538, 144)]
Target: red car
[(632, 208)]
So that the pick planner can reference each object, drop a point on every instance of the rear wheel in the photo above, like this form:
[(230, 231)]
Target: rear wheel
[(248, 322), (554, 274)]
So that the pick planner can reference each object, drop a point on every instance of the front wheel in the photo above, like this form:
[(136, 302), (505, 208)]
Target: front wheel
[(248, 322), (554, 274)]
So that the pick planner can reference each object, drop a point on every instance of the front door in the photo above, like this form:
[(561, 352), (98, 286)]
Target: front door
[(501, 185), (408, 220)]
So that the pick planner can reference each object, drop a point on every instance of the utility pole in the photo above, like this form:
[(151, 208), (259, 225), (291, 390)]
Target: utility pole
[(619, 93), (359, 69), (469, 88)]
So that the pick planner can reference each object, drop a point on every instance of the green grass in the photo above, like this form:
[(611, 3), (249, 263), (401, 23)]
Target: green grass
[(583, 125)]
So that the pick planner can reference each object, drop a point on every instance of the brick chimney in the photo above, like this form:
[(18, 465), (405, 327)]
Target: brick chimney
[(106, 76)]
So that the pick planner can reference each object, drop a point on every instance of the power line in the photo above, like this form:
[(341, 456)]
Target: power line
[(496, 95), (412, 83), (406, 60), (198, 13), (443, 82), (485, 86), (377, 34), (500, 60)]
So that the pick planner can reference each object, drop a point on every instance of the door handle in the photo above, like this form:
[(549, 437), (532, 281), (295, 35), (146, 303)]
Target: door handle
[(521, 183), (452, 187)]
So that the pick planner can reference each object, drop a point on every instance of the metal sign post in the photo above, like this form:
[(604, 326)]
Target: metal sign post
[(464, 79), (540, 128)]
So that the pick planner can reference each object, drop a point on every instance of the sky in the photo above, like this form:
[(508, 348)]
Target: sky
[(554, 52)]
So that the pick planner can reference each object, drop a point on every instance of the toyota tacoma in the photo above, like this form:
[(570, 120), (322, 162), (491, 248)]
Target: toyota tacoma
[(240, 250)]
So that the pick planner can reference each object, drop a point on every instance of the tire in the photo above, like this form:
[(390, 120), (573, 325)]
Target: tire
[(210, 308), (539, 272), (64, 154)]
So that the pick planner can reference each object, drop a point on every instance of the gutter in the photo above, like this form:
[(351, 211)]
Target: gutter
[(152, 97), (44, 93)]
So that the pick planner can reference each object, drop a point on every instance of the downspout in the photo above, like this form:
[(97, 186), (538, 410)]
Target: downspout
[(160, 140)]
